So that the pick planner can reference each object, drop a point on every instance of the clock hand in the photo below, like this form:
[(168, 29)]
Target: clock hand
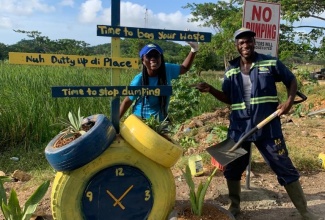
[(124, 194), (116, 200)]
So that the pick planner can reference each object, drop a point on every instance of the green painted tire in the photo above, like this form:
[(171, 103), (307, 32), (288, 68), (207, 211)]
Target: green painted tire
[(149, 143), (68, 187)]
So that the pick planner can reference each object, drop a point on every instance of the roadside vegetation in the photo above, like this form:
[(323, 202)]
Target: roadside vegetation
[(29, 114)]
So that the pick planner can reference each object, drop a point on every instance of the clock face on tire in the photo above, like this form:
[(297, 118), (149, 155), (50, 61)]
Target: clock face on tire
[(118, 192)]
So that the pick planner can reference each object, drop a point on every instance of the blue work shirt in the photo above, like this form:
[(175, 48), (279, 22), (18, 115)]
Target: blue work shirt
[(264, 73)]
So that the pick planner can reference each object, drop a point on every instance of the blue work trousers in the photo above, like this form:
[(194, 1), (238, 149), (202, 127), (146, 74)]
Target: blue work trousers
[(275, 154)]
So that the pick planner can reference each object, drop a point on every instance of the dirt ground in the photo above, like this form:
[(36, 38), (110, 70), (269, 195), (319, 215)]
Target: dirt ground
[(262, 196)]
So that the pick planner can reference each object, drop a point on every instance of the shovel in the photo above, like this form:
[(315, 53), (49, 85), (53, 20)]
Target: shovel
[(228, 150)]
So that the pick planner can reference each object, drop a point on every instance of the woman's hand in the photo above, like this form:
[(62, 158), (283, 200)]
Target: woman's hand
[(194, 46)]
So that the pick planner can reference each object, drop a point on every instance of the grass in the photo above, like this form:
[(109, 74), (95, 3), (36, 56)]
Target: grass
[(27, 108), (310, 68), (31, 161), (28, 112)]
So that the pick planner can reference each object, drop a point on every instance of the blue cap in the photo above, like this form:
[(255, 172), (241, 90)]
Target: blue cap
[(244, 32), (149, 47)]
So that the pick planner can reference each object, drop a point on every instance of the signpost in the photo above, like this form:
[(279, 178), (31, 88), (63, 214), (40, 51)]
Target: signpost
[(72, 60), (264, 19), (114, 63), (152, 34), (109, 91), (138, 171), (115, 51)]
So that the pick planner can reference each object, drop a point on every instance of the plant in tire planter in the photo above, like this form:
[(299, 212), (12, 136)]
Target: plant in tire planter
[(75, 127), (80, 142), (197, 197), (161, 127), (148, 142)]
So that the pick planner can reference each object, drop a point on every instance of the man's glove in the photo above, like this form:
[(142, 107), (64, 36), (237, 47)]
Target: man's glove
[(194, 46)]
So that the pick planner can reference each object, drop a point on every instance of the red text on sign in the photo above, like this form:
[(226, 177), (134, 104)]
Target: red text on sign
[(263, 31), (258, 13)]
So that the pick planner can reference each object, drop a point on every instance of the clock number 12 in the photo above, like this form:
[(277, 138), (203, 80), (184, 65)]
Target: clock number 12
[(119, 172)]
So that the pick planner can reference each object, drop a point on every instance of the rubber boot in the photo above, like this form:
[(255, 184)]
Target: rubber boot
[(234, 196), (297, 197)]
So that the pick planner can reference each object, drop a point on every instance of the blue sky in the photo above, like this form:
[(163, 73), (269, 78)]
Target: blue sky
[(78, 19)]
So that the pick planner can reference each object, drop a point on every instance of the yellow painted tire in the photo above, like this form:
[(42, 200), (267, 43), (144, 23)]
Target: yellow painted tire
[(149, 143), (68, 187)]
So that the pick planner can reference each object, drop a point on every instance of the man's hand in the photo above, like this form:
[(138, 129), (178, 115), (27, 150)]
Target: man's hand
[(285, 107), (202, 87)]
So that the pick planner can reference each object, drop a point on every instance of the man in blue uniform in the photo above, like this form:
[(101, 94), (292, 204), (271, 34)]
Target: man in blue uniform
[(250, 88)]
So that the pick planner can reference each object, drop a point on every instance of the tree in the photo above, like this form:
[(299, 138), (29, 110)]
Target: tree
[(296, 10), (3, 51), (224, 18), (293, 11), (207, 59), (42, 44)]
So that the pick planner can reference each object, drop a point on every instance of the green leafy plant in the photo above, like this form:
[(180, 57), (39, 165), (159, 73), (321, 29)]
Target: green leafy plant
[(187, 142), (220, 131), (73, 124), (185, 99), (161, 127), (10, 207), (197, 197)]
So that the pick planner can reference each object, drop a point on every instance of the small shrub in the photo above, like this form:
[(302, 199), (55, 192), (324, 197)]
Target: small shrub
[(185, 99), (161, 127), (73, 124), (10, 207), (197, 197)]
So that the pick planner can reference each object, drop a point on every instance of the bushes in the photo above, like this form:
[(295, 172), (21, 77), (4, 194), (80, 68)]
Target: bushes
[(27, 108)]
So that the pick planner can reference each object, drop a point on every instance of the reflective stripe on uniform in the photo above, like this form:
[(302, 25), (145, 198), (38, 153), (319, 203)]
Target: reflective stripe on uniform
[(232, 72), (255, 101), (264, 99), (238, 106), (264, 63)]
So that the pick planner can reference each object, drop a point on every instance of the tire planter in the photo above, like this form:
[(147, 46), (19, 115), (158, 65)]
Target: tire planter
[(184, 211), (150, 143), (70, 187), (83, 149)]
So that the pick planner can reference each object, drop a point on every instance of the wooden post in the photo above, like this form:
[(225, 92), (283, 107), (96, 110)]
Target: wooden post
[(115, 52)]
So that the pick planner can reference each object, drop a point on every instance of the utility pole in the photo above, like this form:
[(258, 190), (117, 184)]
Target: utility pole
[(146, 18)]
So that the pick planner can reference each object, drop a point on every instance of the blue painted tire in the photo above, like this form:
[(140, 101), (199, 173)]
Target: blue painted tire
[(85, 148)]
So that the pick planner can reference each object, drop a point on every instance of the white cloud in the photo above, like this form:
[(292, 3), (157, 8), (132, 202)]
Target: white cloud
[(89, 10), (132, 14), (5, 22), (67, 3), (135, 15), (78, 19), (19, 7)]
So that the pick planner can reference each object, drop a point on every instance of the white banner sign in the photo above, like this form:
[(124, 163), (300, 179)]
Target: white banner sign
[(264, 19)]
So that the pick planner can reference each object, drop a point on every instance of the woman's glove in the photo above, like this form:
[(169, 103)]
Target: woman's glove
[(194, 46)]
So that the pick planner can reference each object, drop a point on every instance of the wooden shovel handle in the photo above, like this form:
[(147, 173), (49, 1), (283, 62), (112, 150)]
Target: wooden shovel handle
[(265, 121), (258, 126), (268, 119)]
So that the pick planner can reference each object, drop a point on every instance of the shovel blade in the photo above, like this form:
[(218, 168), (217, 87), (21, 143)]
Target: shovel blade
[(222, 154)]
